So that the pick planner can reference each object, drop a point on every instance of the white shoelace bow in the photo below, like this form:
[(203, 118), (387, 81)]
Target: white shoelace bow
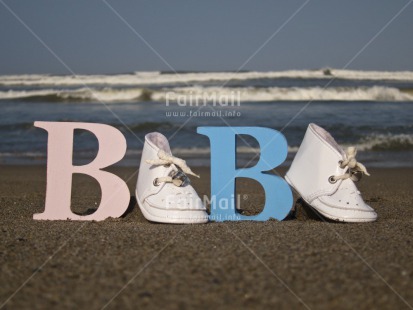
[(167, 159), (355, 169)]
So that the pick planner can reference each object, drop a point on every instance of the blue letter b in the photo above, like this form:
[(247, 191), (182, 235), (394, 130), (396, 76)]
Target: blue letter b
[(273, 146)]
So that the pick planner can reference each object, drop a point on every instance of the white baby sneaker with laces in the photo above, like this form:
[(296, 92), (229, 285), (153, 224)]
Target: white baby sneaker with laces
[(163, 189), (324, 175)]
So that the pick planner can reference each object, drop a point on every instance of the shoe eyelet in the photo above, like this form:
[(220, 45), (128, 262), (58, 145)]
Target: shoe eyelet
[(167, 165), (332, 180), (155, 182)]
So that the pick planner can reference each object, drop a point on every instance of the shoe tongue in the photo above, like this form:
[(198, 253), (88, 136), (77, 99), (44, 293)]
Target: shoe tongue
[(326, 136), (159, 141)]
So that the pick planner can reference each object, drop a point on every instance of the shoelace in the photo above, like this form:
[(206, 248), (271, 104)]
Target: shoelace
[(355, 169), (178, 178)]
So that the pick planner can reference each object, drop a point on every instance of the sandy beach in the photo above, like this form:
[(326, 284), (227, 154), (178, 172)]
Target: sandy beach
[(131, 263), (87, 80)]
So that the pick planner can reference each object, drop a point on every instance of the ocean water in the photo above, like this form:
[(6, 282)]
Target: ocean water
[(370, 110)]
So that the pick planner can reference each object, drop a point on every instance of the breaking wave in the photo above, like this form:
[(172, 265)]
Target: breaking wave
[(78, 95), (159, 78), (205, 94), (386, 142), (371, 143)]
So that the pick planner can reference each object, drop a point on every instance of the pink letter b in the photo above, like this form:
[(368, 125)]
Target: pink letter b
[(112, 148)]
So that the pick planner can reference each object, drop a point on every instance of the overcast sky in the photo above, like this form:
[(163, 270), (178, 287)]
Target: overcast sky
[(204, 35)]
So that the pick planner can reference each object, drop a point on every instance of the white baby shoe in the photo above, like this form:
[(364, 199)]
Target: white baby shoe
[(163, 190), (324, 175)]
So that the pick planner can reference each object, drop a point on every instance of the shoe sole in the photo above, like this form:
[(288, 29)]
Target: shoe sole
[(169, 220), (327, 215)]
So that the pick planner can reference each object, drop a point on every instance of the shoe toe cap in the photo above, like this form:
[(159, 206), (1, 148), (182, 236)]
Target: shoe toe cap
[(347, 210), (346, 204), (177, 199), (175, 205)]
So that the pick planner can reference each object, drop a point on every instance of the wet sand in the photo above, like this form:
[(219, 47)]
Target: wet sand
[(131, 263)]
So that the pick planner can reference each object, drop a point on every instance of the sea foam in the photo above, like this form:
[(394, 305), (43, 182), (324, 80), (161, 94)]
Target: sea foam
[(188, 94), (158, 78)]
